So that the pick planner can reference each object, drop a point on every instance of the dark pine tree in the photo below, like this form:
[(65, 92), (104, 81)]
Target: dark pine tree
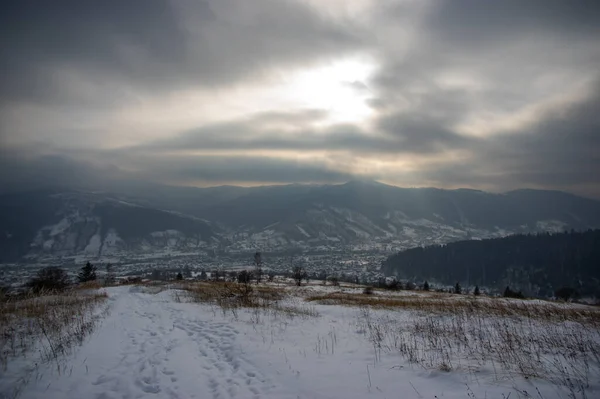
[(179, 276), (457, 289), (87, 273), (426, 286), (565, 293), (477, 292)]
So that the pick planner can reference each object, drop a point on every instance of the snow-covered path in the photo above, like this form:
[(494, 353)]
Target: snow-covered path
[(148, 347), (152, 346)]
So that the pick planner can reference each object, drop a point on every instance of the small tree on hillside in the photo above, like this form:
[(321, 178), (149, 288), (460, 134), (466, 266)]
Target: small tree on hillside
[(508, 293), (426, 286), (457, 289), (179, 276), (87, 273), (203, 275), (392, 284), (244, 277), (299, 274), (333, 280), (477, 292), (566, 293), (50, 278), (110, 277)]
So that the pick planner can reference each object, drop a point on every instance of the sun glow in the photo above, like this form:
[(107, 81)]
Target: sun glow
[(341, 88)]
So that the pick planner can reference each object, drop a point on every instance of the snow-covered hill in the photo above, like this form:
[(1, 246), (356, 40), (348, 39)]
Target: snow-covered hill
[(353, 216), (93, 225)]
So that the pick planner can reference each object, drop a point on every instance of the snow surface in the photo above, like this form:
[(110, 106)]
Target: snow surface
[(94, 245), (151, 346), (303, 231)]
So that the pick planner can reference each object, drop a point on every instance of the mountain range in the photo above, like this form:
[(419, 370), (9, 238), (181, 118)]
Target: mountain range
[(358, 215)]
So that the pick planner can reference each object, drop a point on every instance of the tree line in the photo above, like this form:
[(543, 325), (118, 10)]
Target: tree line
[(534, 264), (54, 278)]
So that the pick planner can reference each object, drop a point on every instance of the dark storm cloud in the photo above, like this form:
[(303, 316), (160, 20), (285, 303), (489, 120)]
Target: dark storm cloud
[(18, 172), (257, 133), (560, 151), (24, 171), (418, 134), (503, 57), (152, 45), (468, 22), (440, 65), (258, 169), (39, 37), (397, 134)]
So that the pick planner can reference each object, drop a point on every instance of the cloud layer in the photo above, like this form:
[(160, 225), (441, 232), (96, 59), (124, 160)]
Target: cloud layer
[(451, 93)]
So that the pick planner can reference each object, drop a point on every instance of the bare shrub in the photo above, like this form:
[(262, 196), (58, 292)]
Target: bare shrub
[(50, 278), (299, 274)]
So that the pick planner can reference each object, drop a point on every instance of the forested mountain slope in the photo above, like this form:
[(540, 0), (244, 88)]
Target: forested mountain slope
[(537, 264)]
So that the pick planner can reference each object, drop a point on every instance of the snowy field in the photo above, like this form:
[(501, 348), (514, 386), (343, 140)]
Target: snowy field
[(319, 343)]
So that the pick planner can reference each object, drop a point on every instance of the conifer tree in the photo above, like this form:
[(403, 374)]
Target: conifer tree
[(457, 289), (87, 273)]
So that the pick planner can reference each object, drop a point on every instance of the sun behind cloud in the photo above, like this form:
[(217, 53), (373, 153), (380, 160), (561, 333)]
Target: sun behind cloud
[(339, 87)]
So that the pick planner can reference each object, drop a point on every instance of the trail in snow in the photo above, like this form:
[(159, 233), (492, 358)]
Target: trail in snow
[(148, 347), (151, 346)]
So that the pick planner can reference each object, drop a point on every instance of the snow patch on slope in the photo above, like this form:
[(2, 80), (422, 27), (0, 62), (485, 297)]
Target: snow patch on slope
[(303, 231)]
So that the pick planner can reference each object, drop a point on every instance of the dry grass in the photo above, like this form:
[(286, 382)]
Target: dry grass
[(88, 285), (559, 343), (51, 323), (230, 297), (433, 303)]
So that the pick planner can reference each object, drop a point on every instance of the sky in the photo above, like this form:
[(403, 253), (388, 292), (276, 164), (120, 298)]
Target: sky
[(491, 95)]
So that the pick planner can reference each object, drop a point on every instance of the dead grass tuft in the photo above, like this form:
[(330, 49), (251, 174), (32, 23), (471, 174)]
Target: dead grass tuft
[(532, 339), (88, 285), (449, 304), (231, 296), (49, 322)]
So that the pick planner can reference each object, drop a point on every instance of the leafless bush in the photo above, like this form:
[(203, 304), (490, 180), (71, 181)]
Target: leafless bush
[(50, 278), (299, 274)]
